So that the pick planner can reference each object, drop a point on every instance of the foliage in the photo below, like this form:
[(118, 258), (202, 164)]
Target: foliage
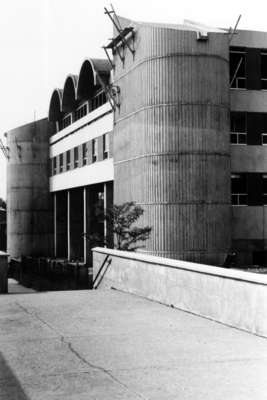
[(2, 203), (120, 222)]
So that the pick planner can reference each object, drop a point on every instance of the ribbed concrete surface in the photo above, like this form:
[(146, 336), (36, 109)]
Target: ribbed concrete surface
[(29, 206), (171, 141), (111, 345)]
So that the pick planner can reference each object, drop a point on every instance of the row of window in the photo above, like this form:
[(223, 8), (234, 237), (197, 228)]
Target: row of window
[(248, 128), (97, 101), (95, 150), (249, 189), (248, 68)]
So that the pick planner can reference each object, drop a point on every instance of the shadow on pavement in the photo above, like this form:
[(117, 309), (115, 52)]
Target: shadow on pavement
[(10, 387)]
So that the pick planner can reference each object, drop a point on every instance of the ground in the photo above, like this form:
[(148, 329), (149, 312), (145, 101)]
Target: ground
[(109, 345)]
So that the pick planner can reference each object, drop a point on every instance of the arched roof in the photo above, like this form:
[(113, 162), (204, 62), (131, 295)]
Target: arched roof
[(93, 72), (69, 93), (55, 106), (89, 74)]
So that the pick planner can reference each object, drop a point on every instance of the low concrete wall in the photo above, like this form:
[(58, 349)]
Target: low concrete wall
[(235, 298), (3, 272)]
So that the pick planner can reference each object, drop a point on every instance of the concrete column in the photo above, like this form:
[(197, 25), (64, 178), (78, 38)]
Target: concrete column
[(68, 222), (3, 272), (55, 224), (84, 226)]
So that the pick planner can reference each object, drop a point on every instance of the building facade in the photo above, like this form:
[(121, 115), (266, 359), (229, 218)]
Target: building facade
[(176, 120)]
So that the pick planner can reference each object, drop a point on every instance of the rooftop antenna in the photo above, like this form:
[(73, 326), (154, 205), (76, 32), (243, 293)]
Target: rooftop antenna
[(233, 31), (122, 32), (4, 149)]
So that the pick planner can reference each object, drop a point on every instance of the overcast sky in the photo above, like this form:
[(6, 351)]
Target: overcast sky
[(41, 41)]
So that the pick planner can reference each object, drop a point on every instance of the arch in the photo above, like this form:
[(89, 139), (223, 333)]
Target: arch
[(86, 80), (89, 74), (69, 93), (55, 106)]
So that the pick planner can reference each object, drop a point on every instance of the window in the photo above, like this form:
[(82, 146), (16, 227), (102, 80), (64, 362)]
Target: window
[(238, 128), (237, 68), (68, 160), (81, 111), (54, 165), (61, 163), (76, 157), (66, 121), (265, 190), (51, 166), (94, 150), (105, 146), (264, 139), (264, 70), (239, 189), (98, 100), (84, 151)]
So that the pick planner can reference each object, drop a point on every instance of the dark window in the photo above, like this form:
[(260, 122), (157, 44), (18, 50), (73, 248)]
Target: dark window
[(256, 127), (98, 100), (255, 188), (66, 121), (94, 150), (264, 69), (105, 146), (54, 165), (68, 160), (51, 167), (238, 128), (237, 68), (265, 190), (76, 157), (239, 189), (253, 68), (61, 163), (80, 112), (84, 151)]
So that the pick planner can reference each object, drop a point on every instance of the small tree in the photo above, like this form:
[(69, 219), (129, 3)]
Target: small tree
[(2, 203), (120, 221)]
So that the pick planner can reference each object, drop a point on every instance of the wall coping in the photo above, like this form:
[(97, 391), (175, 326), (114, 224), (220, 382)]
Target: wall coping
[(252, 277)]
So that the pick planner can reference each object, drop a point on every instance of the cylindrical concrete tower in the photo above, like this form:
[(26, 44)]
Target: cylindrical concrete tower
[(171, 140), (29, 211)]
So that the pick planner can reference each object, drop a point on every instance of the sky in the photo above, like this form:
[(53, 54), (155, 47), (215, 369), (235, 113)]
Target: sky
[(42, 41)]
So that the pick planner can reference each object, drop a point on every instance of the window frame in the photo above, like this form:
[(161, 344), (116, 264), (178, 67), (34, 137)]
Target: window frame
[(236, 78), (238, 195), (94, 150)]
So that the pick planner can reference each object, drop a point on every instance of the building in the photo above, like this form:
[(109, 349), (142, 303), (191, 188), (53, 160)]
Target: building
[(175, 119)]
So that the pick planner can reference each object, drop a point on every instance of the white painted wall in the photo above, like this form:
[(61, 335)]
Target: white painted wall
[(86, 133), (102, 171)]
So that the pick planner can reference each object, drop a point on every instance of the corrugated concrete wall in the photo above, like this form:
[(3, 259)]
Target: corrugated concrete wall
[(171, 141), (235, 298), (29, 203)]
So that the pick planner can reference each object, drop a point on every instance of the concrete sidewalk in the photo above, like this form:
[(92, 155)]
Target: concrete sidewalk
[(108, 345)]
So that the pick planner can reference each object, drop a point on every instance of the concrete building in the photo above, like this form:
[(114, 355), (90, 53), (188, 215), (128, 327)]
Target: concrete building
[(176, 120)]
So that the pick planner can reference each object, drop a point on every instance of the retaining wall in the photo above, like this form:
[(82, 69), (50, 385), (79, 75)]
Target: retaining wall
[(233, 297)]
